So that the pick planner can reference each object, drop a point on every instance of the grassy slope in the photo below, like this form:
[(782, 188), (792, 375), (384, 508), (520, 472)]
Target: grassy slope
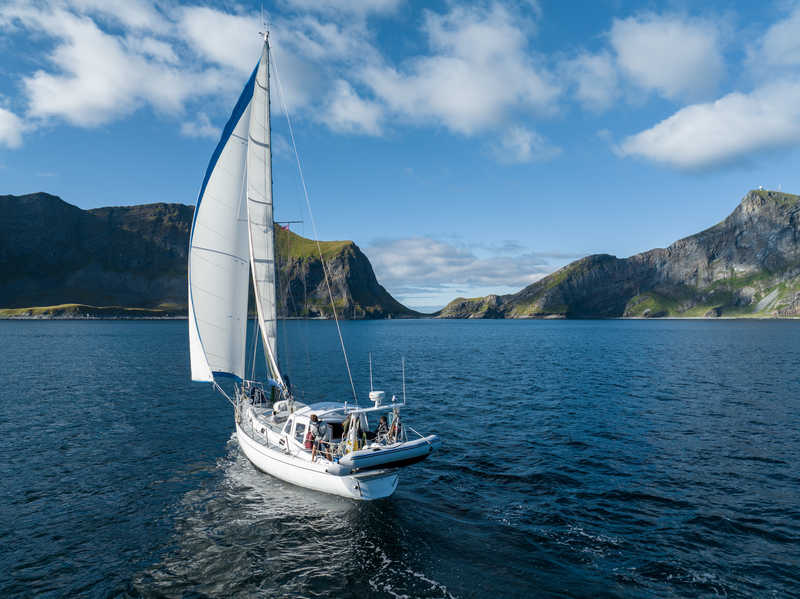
[(84, 311), (302, 248)]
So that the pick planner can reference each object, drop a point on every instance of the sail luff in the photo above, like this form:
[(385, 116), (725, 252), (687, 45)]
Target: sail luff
[(260, 213)]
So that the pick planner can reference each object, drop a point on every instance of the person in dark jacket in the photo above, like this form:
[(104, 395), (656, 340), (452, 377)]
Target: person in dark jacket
[(320, 432)]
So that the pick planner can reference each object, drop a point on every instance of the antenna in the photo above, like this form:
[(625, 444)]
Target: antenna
[(265, 33), (370, 372)]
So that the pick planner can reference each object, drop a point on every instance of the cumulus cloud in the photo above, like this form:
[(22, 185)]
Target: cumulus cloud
[(135, 14), (94, 76), (98, 79), (152, 48), (350, 7), (676, 57), (734, 127), (346, 111), (780, 45), (11, 128), (200, 127), (423, 266), (595, 79), (110, 58), (107, 59), (480, 71), (228, 40), (519, 145), (308, 51)]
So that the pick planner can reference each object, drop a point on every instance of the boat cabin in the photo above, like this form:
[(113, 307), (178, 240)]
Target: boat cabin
[(296, 426)]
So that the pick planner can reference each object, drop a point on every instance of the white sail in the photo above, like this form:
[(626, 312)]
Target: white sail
[(260, 214), (218, 255)]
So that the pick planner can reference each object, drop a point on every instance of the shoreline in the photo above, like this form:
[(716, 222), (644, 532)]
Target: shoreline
[(642, 318)]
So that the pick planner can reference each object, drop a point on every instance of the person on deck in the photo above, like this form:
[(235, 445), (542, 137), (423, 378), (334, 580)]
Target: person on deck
[(382, 431), (321, 434)]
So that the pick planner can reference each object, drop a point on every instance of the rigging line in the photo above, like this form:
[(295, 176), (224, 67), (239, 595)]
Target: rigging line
[(243, 194), (282, 97), (290, 299), (255, 345)]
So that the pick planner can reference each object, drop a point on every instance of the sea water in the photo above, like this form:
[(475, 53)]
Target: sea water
[(580, 458)]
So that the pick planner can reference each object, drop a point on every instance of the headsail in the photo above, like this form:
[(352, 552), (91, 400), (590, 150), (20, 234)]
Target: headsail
[(218, 255), (260, 214)]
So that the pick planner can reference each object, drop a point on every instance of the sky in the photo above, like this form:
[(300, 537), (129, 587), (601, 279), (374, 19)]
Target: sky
[(467, 147)]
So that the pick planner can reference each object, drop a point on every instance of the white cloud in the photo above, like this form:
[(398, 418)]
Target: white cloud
[(11, 129), (135, 14), (228, 40), (519, 145), (423, 263), (108, 59), (95, 77), (347, 112), (356, 7), (426, 273), (99, 79), (677, 57), (201, 127), (164, 61), (306, 50), (480, 72), (595, 78), (780, 45), (734, 127), (152, 48), (326, 41), (312, 55)]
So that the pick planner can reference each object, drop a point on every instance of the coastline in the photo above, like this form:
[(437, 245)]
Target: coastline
[(88, 316), (87, 312)]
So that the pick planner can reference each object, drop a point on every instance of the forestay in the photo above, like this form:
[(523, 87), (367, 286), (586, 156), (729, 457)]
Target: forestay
[(260, 214), (218, 255)]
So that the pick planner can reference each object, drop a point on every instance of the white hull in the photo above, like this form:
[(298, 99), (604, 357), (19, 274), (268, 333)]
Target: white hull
[(312, 475)]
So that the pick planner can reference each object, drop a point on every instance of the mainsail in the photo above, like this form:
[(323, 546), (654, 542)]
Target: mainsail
[(218, 255), (260, 214), (233, 230)]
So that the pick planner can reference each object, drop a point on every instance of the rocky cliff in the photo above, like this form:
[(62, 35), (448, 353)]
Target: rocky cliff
[(136, 257), (747, 265)]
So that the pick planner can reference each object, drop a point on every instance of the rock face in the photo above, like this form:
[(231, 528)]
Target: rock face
[(747, 265), (136, 256), (356, 292)]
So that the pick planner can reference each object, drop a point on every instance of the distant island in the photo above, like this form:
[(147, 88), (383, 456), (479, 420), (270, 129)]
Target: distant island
[(746, 266), (130, 262), (60, 261)]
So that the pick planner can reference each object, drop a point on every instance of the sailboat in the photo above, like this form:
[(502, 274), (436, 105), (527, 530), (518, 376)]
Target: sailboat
[(334, 447)]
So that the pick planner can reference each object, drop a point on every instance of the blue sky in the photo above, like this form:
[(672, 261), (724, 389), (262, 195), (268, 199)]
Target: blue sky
[(467, 147)]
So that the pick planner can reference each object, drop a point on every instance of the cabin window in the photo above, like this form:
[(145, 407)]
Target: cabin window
[(286, 427), (298, 431)]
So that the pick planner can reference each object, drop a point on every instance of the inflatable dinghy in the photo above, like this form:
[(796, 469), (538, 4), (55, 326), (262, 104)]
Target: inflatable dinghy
[(391, 456)]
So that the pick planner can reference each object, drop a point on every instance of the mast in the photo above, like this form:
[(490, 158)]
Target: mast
[(260, 212)]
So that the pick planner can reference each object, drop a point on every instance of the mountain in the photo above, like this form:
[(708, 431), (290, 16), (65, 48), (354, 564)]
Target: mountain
[(747, 265), (136, 257)]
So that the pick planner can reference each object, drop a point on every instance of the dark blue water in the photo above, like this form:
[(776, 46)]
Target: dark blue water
[(585, 459)]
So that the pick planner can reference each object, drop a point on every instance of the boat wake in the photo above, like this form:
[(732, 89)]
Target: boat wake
[(247, 533)]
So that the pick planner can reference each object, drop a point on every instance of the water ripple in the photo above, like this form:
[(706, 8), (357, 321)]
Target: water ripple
[(585, 459)]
